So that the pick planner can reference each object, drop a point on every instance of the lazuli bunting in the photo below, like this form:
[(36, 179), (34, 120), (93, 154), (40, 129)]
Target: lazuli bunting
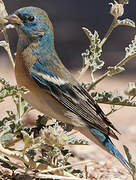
[(53, 90)]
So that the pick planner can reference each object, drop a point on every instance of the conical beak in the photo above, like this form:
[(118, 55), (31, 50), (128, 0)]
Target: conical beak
[(14, 19)]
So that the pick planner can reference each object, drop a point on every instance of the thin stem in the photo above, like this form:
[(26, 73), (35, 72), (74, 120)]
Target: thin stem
[(121, 63), (112, 26), (67, 166), (114, 110), (8, 48), (47, 176), (92, 76), (5, 35), (12, 143), (97, 81), (83, 71), (11, 58), (12, 154), (11, 163), (125, 60), (19, 107)]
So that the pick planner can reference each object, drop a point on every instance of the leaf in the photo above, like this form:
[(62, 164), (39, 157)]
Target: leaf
[(10, 90), (89, 34), (42, 145), (126, 22), (6, 137), (28, 140), (115, 70), (22, 106), (131, 49), (74, 141), (92, 55), (112, 98)]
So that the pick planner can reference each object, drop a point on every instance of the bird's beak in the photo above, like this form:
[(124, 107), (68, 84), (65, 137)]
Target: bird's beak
[(14, 19)]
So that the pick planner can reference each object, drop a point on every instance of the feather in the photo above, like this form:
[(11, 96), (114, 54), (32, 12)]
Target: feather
[(74, 98)]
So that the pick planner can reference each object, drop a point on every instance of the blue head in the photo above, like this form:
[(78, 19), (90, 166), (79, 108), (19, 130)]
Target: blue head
[(32, 24)]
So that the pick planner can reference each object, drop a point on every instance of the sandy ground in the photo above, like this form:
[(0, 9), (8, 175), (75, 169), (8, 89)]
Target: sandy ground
[(124, 120)]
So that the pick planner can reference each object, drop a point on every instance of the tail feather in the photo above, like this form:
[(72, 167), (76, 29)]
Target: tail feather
[(110, 147), (103, 141)]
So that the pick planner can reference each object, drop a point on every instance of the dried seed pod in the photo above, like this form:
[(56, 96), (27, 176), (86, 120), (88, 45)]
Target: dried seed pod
[(117, 9)]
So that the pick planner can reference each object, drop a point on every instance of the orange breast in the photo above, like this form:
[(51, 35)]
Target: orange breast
[(38, 97)]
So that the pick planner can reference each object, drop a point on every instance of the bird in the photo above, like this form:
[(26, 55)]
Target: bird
[(52, 88)]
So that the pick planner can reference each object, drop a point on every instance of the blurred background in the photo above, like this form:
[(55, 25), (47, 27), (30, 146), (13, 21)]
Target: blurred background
[(68, 18)]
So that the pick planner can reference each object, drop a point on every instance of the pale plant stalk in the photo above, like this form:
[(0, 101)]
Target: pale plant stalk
[(121, 63), (67, 166), (114, 110), (12, 154), (12, 143), (32, 165), (19, 107), (11, 163), (112, 26), (47, 176), (13, 64), (92, 76), (8, 48), (83, 71)]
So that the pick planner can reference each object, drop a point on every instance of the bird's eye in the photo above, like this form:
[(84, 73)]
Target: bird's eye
[(31, 18)]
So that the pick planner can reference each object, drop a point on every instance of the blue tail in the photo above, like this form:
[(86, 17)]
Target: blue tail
[(109, 146)]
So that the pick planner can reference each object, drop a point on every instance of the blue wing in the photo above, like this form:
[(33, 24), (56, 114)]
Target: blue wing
[(73, 97), (77, 100)]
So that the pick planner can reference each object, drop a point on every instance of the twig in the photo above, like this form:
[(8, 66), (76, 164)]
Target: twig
[(114, 110), (8, 48), (11, 163), (121, 63), (68, 166), (43, 176), (112, 26), (11, 154), (125, 60), (83, 71), (19, 107)]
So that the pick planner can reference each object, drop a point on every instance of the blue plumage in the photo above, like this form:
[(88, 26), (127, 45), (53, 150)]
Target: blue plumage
[(53, 90), (109, 146), (40, 68)]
